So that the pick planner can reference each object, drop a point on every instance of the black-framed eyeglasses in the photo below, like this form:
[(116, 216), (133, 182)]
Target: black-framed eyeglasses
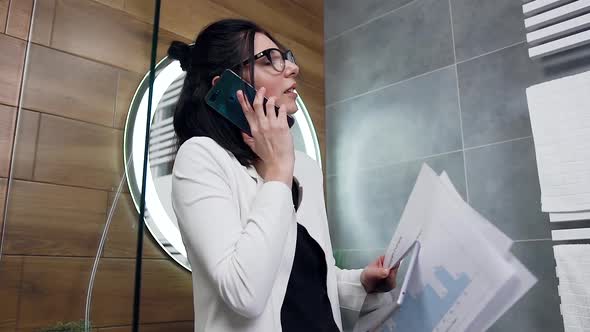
[(275, 57)]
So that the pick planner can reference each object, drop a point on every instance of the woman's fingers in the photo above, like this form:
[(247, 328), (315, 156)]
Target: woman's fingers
[(259, 106), (282, 116)]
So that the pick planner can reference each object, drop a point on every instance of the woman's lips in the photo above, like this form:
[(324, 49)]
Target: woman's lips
[(292, 94)]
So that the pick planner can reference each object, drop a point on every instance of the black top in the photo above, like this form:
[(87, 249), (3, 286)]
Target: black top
[(306, 306)]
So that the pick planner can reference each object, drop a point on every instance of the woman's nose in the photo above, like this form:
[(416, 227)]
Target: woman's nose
[(291, 69)]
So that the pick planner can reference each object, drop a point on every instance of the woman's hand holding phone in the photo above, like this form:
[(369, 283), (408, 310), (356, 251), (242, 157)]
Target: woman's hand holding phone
[(271, 139)]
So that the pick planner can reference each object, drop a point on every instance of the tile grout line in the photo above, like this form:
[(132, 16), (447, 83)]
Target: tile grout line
[(339, 35), (500, 142), (491, 52), (371, 168), (423, 74), (532, 240), (347, 99), (432, 156), (459, 101)]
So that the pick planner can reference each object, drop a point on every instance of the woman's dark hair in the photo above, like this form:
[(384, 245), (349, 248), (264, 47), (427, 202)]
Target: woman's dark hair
[(224, 44)]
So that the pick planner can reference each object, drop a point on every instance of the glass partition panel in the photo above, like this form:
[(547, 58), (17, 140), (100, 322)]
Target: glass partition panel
[(80, 63)]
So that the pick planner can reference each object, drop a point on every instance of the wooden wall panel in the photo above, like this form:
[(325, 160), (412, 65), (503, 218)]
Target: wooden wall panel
[(26, 145), (122, 236), (43, 22), (50, 280), (10, 281), (119, 4), (7, 119), (3, 191), (127, 84), (19, 18), (3, 14), (46, 219), (183, 17), (167, 292), (97, 32), (11, 67), (313, 8), (80, 154), (53, 289), (113, 301), (302, 28), (63, 84)]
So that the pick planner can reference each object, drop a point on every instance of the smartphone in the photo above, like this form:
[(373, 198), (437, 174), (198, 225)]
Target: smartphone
[(223, 98)]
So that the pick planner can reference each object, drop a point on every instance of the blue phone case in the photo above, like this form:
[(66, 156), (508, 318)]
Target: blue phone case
[(222, 98)]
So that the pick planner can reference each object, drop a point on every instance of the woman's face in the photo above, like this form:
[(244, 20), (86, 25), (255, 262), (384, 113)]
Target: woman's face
[(280, 85)]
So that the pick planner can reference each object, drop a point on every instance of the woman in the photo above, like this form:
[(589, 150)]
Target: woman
[(260, 251)]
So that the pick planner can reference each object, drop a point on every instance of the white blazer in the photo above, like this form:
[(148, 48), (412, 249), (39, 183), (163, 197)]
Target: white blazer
[(240, 234)]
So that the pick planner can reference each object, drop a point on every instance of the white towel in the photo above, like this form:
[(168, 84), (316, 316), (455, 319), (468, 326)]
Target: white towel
[(560, 119), (573, 271)]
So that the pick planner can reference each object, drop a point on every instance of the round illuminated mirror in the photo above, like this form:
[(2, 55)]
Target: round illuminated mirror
[(159, 216)]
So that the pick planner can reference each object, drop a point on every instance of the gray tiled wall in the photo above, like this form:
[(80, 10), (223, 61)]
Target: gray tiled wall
[(442, 82)]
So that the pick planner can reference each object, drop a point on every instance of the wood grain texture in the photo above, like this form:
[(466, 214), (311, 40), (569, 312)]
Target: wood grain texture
[(80, 154), (119, 4), (122, 236), (3, 14), (26, 145), (46, 219), (183, 17), (63, 84), (19, 18), (314, 8), (7, 122), (294, 22), (95, 31), (127, 84), (43, 22), (10, 283), (11, 68), (167, 293), (54, 288)]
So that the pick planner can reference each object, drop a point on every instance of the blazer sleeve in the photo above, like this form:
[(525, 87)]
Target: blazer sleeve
[(241, 261)]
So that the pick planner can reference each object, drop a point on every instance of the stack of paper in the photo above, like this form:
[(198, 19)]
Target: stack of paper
[(560, 119), (573, 271), (464, 278)]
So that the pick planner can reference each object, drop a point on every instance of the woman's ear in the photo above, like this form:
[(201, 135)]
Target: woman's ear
[(214, 80)]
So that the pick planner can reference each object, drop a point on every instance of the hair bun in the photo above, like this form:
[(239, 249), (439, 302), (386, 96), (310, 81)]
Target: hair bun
[(182, 52)]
